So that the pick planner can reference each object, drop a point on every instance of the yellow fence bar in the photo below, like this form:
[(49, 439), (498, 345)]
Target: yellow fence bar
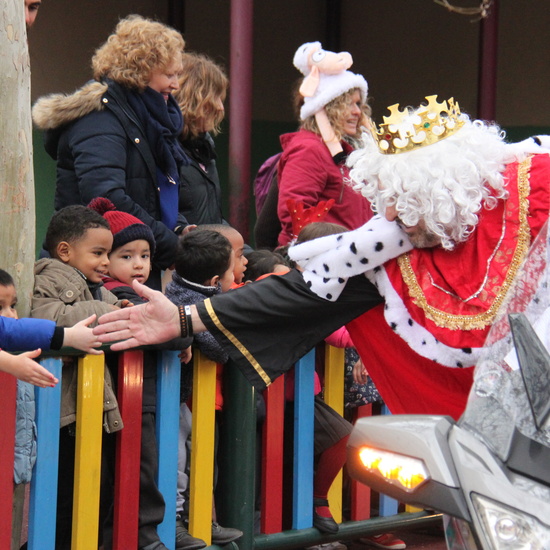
[(202, 447), (334, 397), (89, 417)]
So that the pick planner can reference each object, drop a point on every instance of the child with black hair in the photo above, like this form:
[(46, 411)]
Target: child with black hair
[(263, 262), (68, 287), (204, 266), (237, 244)]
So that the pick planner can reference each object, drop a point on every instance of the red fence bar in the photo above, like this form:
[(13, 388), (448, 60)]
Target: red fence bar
[(8, 386), (130, 384), (272, 463)]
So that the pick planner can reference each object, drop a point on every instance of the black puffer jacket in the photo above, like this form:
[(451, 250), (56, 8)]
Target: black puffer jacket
[(101, 151), (200, 194)]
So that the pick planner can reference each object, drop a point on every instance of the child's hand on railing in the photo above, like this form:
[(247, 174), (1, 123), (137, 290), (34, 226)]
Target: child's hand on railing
[(186, 355), (80, 336), (25, 368)]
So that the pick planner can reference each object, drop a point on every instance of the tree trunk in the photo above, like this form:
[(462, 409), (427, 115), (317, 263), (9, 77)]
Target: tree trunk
[(17, 210)]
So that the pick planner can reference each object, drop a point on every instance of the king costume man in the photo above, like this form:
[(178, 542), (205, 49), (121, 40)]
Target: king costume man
[(470, 204)]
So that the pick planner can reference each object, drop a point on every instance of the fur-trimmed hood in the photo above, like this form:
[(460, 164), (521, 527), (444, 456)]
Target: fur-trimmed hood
[(55, 110)]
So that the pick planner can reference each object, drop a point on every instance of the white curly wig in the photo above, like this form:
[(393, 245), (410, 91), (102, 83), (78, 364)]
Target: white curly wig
[(445, 184)]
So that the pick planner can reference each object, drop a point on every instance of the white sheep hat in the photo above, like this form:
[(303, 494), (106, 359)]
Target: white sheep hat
[(330, 86)]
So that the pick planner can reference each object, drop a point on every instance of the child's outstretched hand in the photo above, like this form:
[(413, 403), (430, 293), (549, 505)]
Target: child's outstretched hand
[(186, 355), (80, 336), (24, 368)]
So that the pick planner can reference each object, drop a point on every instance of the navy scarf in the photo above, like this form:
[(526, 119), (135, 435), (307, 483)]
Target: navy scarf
[(163, 123)]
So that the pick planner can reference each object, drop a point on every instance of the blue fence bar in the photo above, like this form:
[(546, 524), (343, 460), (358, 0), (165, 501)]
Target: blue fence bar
[(302, 491), (168, 409), (43, 494)]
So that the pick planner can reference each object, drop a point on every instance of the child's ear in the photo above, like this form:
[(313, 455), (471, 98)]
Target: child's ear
[(213, 281), (63, 251)]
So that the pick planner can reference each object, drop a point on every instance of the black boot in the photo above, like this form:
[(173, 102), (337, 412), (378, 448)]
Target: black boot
[(325, 525)]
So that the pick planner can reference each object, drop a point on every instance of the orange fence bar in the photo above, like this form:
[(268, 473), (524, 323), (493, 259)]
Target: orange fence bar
[(334, 396), (272, 453), (360, 494)]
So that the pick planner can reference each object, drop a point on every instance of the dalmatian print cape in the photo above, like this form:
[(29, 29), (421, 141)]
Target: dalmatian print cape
[(328, 262)]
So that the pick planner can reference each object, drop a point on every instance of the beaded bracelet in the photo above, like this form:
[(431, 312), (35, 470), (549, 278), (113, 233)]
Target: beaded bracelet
[(186, 324), (183, 321)]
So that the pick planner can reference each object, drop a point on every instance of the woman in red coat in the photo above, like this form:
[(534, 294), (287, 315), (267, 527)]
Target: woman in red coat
[(312, 167)]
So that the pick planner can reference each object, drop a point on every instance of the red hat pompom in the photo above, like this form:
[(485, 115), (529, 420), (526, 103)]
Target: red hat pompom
[(101, 205)]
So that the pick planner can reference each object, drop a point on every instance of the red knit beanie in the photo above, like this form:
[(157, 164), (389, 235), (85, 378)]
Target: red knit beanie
[(124, 227)]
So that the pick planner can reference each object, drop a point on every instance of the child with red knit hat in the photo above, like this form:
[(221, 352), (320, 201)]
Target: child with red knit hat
[(129, 260), (133, 248)]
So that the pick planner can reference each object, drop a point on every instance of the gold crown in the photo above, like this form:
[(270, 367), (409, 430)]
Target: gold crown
[(407, 130)]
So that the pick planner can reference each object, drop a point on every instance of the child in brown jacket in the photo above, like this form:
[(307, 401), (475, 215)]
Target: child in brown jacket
[(68, 287)]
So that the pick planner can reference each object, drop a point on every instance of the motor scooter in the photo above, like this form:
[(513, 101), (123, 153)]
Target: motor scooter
[(489, 473)]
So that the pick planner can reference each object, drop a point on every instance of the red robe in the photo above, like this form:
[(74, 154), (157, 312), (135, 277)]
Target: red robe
[(455, 296)]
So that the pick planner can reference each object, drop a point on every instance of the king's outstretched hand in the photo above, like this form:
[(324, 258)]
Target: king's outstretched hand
[(155, 322)]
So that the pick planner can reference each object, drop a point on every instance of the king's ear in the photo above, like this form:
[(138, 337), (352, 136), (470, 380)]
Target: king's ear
[(310, 83), (63, 251)]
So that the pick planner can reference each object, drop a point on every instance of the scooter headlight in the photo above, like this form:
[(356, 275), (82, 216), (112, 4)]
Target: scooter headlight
[(510, 529), (403, 471)]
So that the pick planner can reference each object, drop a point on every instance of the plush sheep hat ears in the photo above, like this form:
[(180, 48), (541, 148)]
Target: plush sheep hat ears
[(326, 77)]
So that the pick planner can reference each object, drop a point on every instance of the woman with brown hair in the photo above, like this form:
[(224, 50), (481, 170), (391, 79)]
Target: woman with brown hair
[(203, 87)]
